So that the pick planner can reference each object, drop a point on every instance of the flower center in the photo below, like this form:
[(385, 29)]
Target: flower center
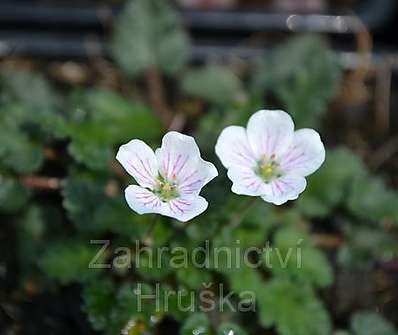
[(268, 169), (166, 190)]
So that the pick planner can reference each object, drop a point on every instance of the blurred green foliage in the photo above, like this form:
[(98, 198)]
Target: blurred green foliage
[(85, 126), (148, 34)]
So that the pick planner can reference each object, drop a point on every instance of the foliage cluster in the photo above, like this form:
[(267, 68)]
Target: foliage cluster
[(82, 127)]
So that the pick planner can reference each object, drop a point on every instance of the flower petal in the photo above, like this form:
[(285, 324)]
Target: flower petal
[(270, 132), (194, 176), (233, 148), (139, 160), (142, 201), (176, 151), (306, 153), (245, 181), (184, 208), (284, 188), (179, 160)]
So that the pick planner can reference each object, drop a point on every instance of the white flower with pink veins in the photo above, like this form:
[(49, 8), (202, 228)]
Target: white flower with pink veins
[(269, 159), (170, 179)]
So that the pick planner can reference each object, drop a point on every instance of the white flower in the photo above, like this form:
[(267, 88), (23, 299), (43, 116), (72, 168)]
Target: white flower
[(270, 159), (169, 179)]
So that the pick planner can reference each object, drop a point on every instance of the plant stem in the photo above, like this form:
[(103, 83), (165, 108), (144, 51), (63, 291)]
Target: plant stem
[(241, 214), (148, 235), (41, 183), (156, 95)]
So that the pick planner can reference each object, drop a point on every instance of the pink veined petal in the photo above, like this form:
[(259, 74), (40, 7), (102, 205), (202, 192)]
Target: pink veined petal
[(184, 208), (175, 153), (139, 160), (305, 155), (142, 201), (245, 181), (270, 132), (233, 148), (285, 188), (179, 160), (194, 176)]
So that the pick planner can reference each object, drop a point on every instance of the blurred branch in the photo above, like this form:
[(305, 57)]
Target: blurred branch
[(384, 153), (41, 183), (354, 91), (327, 241), (156, 95)]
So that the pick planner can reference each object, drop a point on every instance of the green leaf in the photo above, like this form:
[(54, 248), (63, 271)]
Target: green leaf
[(148, 33), (127, 308), (330, 185), (370, 323), (100, 120), (226, 328), (153, 264), (30, 88), (99, 299), (192, 277), (70, 262), (303, 74), (32, 97), (82, 199), (13, 196), (196, 323), (213, 83), (292, 309), (18, 152), (371, 200), (31, 238), (365, 246), (293, 256)]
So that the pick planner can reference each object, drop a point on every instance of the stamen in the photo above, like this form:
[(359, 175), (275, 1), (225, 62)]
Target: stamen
[(166, 190), (268, 169)]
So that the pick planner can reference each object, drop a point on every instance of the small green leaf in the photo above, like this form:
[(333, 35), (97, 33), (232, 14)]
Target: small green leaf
[(148, 33), (82, 199), (13, 196), (292, 255), (370, 323), (303, 74), (213, 83), (292, 309), (100, 120), (70, 262), (371, 200), (330, 186), (99, 299), (18, 152)]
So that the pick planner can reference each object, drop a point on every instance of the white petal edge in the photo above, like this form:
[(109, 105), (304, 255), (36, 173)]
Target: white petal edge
[(196, 174), (179, 160), (270, 132), (141, 200), (245, 181), (176, 151), (306, 153), (139, 160), (233, 148), (184, 208), (285, 188)]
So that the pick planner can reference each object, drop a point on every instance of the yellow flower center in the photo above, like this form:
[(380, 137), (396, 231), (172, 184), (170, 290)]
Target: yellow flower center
[(166, 190), (268, 170)]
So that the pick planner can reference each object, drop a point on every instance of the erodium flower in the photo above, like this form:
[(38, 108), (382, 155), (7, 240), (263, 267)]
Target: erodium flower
[(270, 159), (169, 179)]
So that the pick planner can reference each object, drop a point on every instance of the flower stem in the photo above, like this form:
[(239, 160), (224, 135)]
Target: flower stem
[(148, 235), (242, 212)]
